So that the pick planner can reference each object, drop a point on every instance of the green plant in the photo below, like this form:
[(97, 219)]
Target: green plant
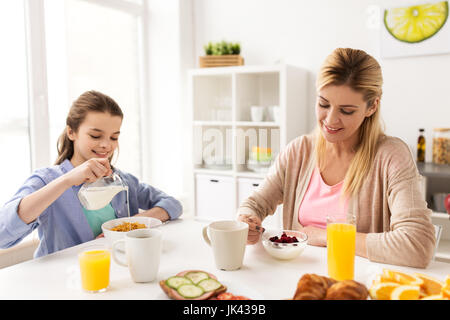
[(222, 48)]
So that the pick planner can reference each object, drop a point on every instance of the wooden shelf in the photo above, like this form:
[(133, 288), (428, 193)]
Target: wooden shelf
[(202, 123), (250, 174), (433, 170), (221, 71), (440, 215), (257, 124), (237, 89), (214, 171)]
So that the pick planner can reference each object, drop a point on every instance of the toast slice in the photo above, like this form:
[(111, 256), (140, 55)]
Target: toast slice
[(195, 276)]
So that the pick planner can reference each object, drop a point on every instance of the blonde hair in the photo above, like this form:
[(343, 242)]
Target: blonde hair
[(90, 101), (361, 72)]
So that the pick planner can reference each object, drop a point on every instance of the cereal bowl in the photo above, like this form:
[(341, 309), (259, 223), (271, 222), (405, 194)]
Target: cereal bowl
[(277, 246), (112, 236)]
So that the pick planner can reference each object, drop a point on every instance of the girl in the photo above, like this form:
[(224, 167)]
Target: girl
[(48, 199), (349, 166)]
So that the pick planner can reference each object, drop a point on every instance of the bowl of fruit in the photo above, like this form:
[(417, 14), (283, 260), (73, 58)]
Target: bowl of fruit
[(284, 244)]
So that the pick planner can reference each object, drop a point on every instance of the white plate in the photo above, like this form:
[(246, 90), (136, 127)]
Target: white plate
[(236, 289)]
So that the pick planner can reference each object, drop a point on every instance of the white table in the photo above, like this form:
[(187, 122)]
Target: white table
[(56, 276)]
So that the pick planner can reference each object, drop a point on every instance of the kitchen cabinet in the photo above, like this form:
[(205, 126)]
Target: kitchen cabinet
[(215, 196), (246, 186), (437, 180), (225, 140)]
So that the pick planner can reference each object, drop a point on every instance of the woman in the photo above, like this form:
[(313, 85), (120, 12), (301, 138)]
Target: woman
[(349, 166), (48, 199)]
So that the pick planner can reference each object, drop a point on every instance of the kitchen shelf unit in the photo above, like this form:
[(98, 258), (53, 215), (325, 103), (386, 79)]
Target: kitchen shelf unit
[(437, 179), (223, 133)]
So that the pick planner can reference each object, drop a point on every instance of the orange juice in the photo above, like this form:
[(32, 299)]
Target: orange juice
[(341, 250), (94, 267)]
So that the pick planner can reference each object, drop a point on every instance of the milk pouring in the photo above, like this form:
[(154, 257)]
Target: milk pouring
[(96, 195), (95, 198)]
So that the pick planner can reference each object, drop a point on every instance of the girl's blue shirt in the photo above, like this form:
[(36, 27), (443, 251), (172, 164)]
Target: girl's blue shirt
[(63, 224)]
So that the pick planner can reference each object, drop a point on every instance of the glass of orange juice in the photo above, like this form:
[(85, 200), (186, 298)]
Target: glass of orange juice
[(341, 234), (95, 263)]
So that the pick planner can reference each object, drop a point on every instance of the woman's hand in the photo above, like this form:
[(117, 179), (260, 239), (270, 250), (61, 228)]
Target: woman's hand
[(316, 236), (89, 171), (254, 227)]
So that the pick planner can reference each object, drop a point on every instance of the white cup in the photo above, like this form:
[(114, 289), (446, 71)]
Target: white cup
[(257, 113), (228, 239), (274, 113), (143, 252)]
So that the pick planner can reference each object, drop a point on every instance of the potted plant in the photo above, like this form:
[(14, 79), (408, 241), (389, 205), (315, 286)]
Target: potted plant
[(221, 54)]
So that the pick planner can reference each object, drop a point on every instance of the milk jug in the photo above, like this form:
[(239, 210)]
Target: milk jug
[(98, 194)]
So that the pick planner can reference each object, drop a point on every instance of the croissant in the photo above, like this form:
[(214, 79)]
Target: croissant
[(312, 287), (347, 290)]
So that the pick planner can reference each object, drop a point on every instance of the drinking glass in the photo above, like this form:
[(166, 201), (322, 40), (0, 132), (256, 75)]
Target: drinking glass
[(95, 264), (341, 234)]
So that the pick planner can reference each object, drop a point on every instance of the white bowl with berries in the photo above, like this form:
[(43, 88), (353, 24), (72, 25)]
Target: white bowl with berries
[(284, 244)]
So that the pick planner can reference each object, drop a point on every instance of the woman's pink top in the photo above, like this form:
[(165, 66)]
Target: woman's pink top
[(320, 201)]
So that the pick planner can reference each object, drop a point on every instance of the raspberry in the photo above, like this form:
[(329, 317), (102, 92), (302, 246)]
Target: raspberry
[(284, 239)]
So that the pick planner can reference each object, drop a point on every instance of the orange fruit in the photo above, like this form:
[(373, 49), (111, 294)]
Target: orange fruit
[(405, 293), (435, 297), (446, 289), (447, 281), (446, 292), (402, 278), (382, 278), (430, 286), (382, 290)]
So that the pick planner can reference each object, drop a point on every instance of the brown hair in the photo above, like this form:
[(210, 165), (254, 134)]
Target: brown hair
[(361, 72), (90, 101)]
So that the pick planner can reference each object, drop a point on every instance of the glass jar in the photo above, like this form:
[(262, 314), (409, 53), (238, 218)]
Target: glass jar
[(441, 145)]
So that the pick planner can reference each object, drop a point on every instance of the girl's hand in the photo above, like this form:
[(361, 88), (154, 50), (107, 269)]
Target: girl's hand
[(254, 227), (316, 236), (90, 171)]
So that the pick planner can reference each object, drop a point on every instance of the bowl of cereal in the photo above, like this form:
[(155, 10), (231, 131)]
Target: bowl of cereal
[(115, 229), (284, 244)]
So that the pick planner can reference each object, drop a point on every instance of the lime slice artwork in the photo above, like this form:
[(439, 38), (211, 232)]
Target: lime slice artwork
[(416, 23)]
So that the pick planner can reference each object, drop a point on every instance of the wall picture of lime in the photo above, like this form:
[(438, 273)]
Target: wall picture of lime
[(420, 29), (416, 23)]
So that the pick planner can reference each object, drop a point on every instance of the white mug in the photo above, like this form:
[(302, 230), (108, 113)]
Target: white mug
[(228, 239), (257, 113), (274, 113), (143, 252)]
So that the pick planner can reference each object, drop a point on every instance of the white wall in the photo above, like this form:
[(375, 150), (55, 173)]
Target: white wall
[(303, 33)]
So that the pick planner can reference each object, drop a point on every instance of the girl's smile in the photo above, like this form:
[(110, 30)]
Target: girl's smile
[(97, 137)]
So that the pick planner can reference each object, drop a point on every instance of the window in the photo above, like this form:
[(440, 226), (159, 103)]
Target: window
[(53, 52), (90, 45), (101, 43), (14, 129)]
